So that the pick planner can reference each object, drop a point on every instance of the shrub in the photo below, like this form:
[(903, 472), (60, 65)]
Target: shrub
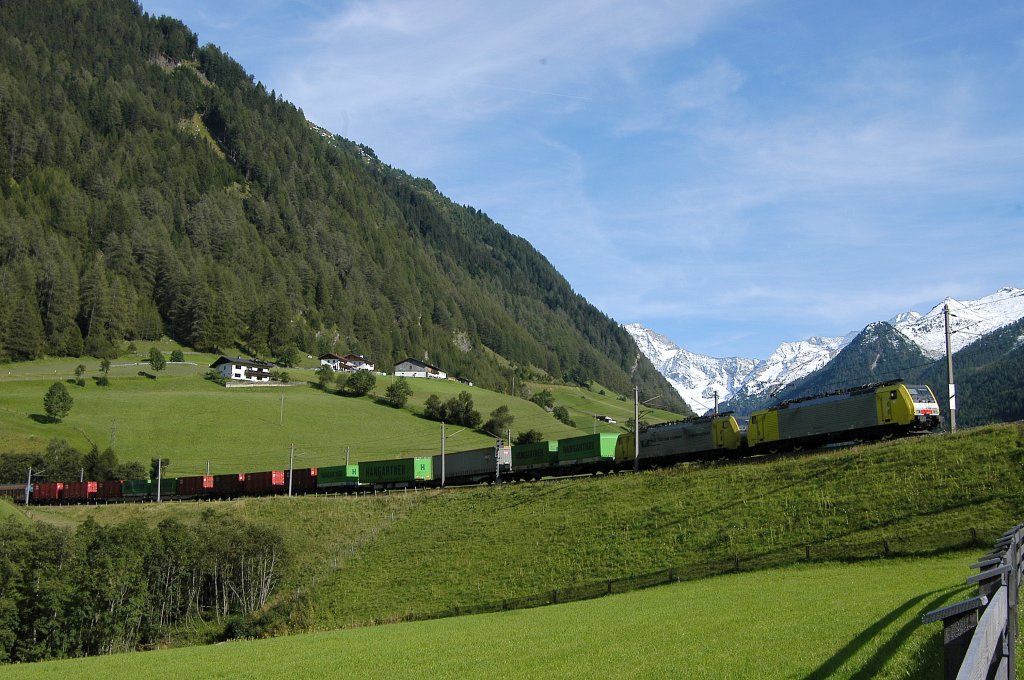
[(360, 383), (398, 393)]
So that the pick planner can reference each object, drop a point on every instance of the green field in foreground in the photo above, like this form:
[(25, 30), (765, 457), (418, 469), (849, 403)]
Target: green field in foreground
[(194, 422), (844, 621)]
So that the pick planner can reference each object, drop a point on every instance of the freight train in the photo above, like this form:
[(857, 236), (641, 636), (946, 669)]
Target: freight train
[(877, 411)]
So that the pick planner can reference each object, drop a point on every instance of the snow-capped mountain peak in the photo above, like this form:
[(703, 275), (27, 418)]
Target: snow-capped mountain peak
[(969, 320), (697, 378)]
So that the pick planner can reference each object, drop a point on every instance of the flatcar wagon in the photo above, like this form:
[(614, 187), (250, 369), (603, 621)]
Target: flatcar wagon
[(343, 478), (396, 474), (477, 466), (681, 441)]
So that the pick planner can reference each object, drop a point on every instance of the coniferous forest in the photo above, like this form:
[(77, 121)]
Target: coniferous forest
[(148, 187)]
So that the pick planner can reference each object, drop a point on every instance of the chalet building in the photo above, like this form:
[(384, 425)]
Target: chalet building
[(347, 363), (414, 368), (359, 362), (235, 368), (335, 361)]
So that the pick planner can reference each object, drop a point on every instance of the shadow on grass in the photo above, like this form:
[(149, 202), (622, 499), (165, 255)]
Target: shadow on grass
[(45, 420), (888, 650)]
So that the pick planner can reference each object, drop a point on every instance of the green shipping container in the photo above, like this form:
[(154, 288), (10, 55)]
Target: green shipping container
[(145, 488), (395, 471), (535, 455), (137, 487), (337, 476), (590, 447)]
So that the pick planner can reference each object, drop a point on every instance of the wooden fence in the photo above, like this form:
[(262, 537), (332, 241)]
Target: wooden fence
[(979, 635)]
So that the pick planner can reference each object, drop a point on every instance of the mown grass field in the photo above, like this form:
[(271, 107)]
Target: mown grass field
[(194, 422), (835, 620)]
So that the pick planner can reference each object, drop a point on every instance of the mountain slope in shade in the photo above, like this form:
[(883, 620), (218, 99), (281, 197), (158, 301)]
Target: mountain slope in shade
[(877, 353)]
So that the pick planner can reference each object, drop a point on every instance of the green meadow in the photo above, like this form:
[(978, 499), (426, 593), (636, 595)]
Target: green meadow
[(823, 621), (197, 423)]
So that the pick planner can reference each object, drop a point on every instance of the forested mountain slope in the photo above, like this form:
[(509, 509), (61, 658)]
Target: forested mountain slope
[(148, 186)]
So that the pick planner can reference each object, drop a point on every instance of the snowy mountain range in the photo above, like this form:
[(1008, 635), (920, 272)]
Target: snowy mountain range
[(698, 378)]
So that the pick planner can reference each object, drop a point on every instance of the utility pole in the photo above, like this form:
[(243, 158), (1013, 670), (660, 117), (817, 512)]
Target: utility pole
[(291, 466), (949, 372), (281, 419), (442, 453), (159, 476), (716, 402), (28, 484), (636, 428)]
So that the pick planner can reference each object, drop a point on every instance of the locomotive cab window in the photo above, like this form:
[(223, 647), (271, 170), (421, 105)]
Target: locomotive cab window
[(892, 395)]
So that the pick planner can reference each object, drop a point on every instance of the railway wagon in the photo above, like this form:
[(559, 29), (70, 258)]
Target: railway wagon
[(199, 486), (47, 492), (228, 485), (591, 451), (472, 467), (869, 412), (396, 473), (528, 460), (109, 489), (302, 480), (13, 491), (681, 441), (145, 489), (265, 483), (79, 491), (338, 477)]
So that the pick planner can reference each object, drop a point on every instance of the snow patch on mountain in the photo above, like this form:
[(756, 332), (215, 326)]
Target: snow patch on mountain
[(697, 378), (969, 320)]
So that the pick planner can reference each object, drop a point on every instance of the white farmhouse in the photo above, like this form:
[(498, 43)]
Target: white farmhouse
[(235, 368), (359, 362), (414, 368)]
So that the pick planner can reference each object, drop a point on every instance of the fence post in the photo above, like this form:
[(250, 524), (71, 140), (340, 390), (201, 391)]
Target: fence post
[(1012, 583)]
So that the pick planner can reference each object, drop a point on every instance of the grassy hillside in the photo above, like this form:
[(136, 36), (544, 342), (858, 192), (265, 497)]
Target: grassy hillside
[(865, 623), (194, 421), (391, 557), (8, 511)]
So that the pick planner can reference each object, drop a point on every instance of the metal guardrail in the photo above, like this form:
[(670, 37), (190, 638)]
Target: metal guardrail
[(979, 635)]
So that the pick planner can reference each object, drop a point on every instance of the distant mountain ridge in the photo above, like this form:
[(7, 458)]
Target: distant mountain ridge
[(906, 343)]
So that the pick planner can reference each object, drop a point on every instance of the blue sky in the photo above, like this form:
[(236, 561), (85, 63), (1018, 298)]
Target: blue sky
[(731, 174)]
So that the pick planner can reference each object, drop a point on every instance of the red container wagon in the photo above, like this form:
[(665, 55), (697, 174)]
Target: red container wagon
[(229, 486), (47, 492), (80, 491), (195, 487), (110, 489), (302, 481), (264, 483)]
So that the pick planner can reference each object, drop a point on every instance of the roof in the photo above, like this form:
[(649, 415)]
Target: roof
[(255, 363), (359, 357), (418, 363), (332, 355)]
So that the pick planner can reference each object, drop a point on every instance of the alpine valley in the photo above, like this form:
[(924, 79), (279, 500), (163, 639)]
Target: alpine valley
[(987, 336)]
